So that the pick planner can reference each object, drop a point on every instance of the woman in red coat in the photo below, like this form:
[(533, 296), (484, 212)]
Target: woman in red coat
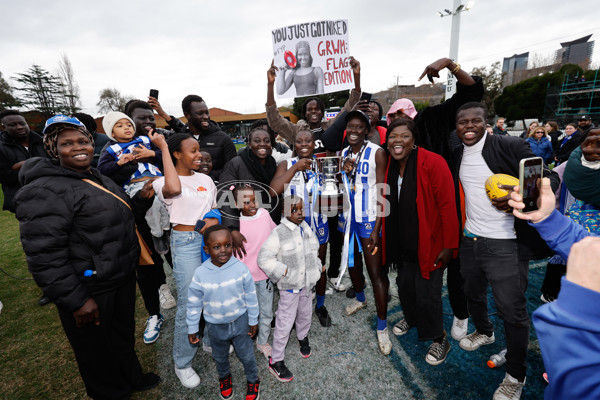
[(420, 233)]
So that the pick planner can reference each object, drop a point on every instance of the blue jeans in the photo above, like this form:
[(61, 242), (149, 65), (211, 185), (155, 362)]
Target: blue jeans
[(186, 248), (264, 293), (221, 335)]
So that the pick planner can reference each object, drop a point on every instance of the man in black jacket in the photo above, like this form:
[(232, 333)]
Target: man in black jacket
[(17, 144), (585, 126), (496, 248), (208, 133)]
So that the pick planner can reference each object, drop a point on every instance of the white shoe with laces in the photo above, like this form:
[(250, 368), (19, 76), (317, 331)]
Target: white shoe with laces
[(188, 377), (167, 301), (333, 282), (153, 325), (459, 328), (509, 389), (383, 340), (475, 340)]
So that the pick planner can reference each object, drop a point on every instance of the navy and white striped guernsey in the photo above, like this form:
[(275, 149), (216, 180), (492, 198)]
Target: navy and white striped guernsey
[(364, 182), (118, 150)]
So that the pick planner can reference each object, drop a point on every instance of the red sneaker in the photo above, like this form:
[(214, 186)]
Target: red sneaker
[(226, 390), (252, 392)]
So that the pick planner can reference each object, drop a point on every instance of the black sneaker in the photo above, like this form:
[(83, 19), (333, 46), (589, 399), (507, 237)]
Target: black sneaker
[(351, 293), (147, 381), (225, 387), (253, 391), (438, 352), (305, 347), (280, 371), (323, 317)]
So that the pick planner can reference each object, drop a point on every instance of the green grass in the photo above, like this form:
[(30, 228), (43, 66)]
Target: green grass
[(239, 146), (35, 357)]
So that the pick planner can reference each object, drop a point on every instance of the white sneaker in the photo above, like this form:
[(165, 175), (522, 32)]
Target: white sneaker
[(153, 325), (188, 377), (340, 288), (167, 301), (459, 328), (475, 340), (355, 306), (383, 339), (509, 389)]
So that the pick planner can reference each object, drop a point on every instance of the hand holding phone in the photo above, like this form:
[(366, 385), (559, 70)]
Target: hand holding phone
[(154, 93), (199, 225), (530, 178), (366, 96)]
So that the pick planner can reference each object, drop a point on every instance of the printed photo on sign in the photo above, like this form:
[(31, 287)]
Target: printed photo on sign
[(312, 58)]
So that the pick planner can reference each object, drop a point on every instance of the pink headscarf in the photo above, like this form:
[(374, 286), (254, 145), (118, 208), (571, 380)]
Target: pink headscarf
[(404, 105)]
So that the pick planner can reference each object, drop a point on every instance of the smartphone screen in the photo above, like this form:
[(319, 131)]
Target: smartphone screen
[(530, 180), (154, 93)]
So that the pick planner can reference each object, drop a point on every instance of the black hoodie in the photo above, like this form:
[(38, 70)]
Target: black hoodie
[(69, 226)]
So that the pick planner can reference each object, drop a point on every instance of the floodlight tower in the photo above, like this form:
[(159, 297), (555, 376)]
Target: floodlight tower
[(458, 8)]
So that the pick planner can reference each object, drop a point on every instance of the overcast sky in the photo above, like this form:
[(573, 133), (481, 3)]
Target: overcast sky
[(222, 50)]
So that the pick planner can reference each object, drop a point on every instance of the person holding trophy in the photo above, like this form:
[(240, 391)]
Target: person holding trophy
[(296, 177)]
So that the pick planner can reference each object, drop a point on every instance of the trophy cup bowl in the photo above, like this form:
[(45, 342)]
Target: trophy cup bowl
[(331, 193)]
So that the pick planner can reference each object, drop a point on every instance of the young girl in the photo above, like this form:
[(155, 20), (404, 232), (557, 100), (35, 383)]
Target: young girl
[(188, 196), (294, 177), (365, 169), (289, 258), (256, 225)]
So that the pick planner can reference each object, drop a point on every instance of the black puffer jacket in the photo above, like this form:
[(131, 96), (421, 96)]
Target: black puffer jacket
[(69, 226)]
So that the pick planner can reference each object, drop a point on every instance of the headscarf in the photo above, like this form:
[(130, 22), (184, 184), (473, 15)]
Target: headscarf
[(51, 137)]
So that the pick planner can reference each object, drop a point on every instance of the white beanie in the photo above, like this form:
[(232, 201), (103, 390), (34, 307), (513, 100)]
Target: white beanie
[(111, 119)]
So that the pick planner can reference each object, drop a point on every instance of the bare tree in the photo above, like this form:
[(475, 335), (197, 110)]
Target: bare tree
[(70, 87), (492, 83), (112, 100)]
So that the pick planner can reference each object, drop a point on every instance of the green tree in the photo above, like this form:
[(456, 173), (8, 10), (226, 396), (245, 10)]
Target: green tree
[(42, 91), (7, 99), (334, 99), (526, 99), (112, 100), (71, 97), (492, 84)]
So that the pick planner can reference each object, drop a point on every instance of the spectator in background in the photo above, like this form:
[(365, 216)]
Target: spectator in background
[(540, 144), (499, 128), (489, 129), (17, 144), (100, 140), (526, 133), (571, 140), (554, 133), (585, 125)]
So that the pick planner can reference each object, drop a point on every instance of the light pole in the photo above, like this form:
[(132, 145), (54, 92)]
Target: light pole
[(458, 8)]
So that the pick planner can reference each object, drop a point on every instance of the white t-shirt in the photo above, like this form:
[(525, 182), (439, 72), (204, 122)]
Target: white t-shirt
[(483, 219), (198, 196)]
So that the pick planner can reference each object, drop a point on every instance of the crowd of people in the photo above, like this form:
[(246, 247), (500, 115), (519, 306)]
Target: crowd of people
[(246, 233)]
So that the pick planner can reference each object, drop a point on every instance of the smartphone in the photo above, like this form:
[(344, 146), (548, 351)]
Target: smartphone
[(530, 180), (154, 93), (199, 225), (366, 96)]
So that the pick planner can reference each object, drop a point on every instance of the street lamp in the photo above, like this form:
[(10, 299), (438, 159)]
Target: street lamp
[(458, 8)]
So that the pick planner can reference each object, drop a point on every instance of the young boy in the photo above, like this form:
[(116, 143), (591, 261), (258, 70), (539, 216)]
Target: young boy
[(133, 160), (289, 257), (223, 288)]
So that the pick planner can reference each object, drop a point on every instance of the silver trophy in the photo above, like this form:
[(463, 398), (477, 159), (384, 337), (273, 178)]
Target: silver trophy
[(331, 192)]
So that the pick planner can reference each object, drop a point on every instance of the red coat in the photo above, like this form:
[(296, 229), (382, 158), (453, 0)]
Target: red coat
[(436, 209)]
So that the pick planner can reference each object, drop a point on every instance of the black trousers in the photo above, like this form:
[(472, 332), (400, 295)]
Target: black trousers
[(150, 277), (456, 293), (421, 299), (336, 243), (496, 262), (551, 285), (105, 353)]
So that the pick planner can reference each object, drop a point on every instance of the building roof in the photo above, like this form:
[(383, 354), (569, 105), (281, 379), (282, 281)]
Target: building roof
[(576, 41)]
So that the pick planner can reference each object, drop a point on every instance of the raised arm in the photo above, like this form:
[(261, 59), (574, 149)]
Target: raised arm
[(283, 175), (172, 186), (275, 120)]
